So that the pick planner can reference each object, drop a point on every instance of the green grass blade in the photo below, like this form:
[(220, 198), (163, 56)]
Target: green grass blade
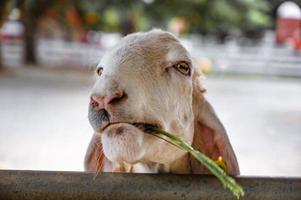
[(227, 181)]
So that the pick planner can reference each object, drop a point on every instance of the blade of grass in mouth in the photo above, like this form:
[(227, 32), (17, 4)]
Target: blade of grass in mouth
[(227, 181)]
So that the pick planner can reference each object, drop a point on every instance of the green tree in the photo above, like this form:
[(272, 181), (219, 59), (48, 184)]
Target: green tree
[(213, 16), (3, 6), (31, 10)]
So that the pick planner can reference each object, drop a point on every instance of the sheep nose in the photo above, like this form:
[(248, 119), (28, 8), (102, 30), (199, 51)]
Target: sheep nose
[(106, 101)]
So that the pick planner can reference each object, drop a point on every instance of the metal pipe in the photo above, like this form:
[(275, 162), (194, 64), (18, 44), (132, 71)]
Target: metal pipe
[(31, 185)]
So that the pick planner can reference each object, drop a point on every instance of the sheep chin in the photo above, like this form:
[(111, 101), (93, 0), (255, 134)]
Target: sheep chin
[(123, 143)]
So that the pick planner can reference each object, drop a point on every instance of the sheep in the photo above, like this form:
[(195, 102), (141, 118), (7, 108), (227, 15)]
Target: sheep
[(149, 78)]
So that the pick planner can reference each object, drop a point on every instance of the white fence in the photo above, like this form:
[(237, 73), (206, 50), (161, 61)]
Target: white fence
[(261, 58), (264, 58), (53, 53)]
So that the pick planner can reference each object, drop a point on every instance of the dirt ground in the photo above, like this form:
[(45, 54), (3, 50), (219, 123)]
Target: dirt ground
[(44, 124)]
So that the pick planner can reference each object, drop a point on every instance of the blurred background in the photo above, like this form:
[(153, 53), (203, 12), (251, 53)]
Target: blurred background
[(250, 51)]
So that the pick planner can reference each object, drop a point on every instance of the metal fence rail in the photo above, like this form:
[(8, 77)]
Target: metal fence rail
[(78, 185)]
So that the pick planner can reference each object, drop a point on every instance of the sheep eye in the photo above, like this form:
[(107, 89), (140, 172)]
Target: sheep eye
[(99, 71), (183, 68)]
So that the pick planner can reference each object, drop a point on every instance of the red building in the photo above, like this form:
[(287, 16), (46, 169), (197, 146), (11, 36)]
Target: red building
[(288, 28)]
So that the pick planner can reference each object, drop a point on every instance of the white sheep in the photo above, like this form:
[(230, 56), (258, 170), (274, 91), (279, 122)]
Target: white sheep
[(149, 78)]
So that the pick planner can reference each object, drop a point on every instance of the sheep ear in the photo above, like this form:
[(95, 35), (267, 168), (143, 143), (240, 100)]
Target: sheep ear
[(210, 136), (95, 160)]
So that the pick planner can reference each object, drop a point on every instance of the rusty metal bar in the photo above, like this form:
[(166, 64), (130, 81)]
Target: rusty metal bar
[(31, 185)]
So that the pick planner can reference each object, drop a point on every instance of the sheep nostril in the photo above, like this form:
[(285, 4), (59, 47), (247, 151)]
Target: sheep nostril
[(93, 103), (117, 98), (98, 101)]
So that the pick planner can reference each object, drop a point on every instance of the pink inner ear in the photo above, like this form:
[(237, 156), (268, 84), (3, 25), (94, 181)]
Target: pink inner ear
[(205, 141), (213, 144)]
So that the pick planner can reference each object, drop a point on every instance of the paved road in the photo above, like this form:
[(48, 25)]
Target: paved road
[(44, 126)]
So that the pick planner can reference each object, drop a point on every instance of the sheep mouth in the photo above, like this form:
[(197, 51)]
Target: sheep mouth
[(143, 126), (139, 125)]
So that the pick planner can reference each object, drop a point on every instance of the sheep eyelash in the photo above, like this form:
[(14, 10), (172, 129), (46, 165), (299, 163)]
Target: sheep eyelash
[(173, 65), (203, 90)]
